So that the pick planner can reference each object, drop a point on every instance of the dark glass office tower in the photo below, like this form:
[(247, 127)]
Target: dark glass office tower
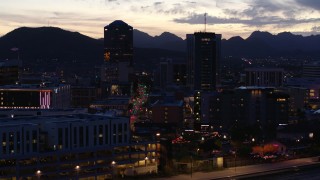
[(118, 58), (118, 42), (203, 56)]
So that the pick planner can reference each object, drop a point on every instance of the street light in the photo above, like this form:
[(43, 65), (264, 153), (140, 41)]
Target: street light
[(77, 168), (38, 173), (113, 164), (146, 159)]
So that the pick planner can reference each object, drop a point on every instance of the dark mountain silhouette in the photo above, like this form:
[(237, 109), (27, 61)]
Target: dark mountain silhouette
[(50, 42), (52, 49), (262, 44), (166, 40), (258, 44)]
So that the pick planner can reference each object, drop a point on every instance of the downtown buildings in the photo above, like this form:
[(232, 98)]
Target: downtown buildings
[(245, 105), (66, 146)]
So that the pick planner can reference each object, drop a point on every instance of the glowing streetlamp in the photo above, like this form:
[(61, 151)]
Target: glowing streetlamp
[(113, 164), (38, 173), (77, 168), (146, 159)]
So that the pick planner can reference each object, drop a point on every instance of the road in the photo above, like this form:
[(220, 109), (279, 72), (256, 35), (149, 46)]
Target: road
[(310, 173), (234, 173)]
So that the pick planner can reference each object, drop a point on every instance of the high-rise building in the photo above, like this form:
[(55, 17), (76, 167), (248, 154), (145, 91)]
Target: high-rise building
[(118, 52), (118, 42), (203, 55)]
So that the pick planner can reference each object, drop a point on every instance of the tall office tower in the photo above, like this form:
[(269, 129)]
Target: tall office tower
[(203, 56), (118, 52)]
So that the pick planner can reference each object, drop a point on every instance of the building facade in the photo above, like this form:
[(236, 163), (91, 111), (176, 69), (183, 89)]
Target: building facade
[(35, 97), (204, 107), (118, 52), (203, 56), (9, 71), (172, 72), (311, 70), (82, 96), (248, 106), (264, 77), (167, 113), (72, 146)]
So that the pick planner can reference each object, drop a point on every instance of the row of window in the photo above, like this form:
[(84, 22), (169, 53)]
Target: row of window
[(99, 135), (17, 143)]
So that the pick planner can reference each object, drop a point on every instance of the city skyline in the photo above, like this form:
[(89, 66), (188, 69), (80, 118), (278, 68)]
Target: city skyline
[(229, 18)]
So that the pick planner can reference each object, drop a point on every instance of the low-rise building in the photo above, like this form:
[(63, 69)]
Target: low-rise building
[(27, 96), (66, 146), (167, 112)]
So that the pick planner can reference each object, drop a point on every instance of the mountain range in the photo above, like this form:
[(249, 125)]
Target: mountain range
[(165, 40), (264, 44), (55, 48)]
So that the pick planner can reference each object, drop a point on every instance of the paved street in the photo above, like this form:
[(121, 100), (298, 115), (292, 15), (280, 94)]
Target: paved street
[(243, 170)]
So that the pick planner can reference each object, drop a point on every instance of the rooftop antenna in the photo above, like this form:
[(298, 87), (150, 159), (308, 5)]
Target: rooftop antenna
[(205, 22)]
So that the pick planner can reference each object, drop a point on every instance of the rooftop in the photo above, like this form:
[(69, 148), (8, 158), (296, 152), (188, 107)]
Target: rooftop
[(35, 120), (31, 86), (10, 63), (117, 23), (264, 69), (168, 103)]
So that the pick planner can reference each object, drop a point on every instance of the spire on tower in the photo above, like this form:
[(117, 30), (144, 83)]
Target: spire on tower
[(205, 22)]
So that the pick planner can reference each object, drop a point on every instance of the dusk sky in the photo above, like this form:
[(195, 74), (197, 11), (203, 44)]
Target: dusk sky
[(227, 17)]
